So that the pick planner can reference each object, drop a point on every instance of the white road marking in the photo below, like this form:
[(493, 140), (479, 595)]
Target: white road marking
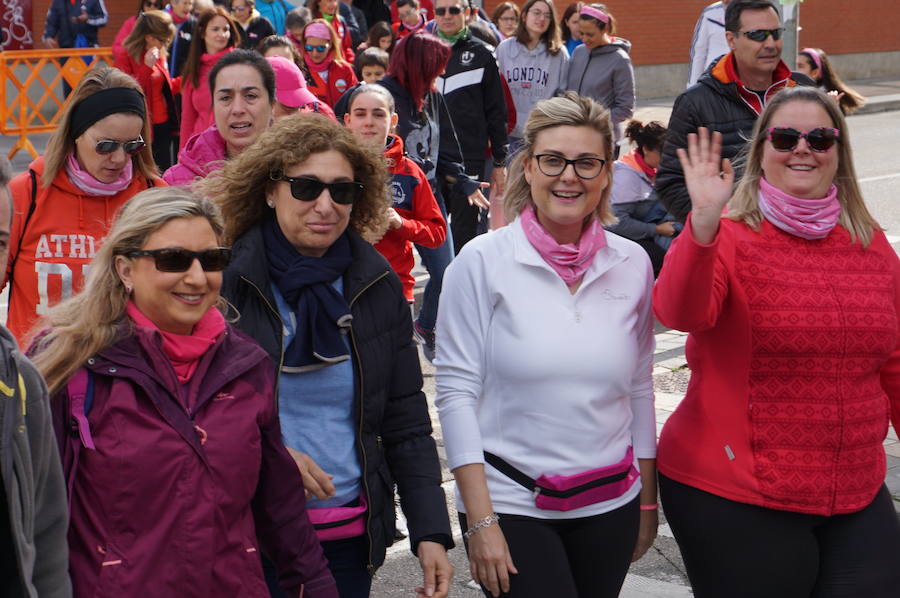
[(872, 179)]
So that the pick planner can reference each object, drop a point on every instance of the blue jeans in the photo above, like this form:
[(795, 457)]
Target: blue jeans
[(435, 261)]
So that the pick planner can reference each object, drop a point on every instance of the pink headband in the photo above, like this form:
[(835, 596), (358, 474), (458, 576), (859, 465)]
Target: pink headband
[(590, 11), (814, 54), (320, 30)]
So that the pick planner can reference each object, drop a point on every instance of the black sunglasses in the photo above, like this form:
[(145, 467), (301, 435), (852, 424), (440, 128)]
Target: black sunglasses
[(180, 260), (453, 10), (108, 146), (785, 139), (760, 35), (309, 189)]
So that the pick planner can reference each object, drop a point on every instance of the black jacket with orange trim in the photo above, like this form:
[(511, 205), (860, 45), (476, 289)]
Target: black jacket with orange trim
[(720, 102)]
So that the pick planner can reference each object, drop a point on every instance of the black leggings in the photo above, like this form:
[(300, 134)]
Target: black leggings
[(736, 550), (569, 558)]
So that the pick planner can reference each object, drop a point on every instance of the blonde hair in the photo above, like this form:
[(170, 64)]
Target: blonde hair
[(88, 322), (240, 187), (156, 23), (744, 204), (61, 143), (570, 110)]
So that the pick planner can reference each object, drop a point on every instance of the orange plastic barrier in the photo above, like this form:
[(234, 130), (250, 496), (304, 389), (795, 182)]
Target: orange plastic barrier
[(23, 71)]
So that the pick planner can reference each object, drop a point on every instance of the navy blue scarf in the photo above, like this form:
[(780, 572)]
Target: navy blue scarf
[(323, 315)]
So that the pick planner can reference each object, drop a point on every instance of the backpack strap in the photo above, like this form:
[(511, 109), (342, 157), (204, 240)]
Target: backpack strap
[(31, 207), (81, 399)]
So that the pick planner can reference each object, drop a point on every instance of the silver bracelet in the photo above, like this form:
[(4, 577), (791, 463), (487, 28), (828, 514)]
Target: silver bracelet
[(481, 524)]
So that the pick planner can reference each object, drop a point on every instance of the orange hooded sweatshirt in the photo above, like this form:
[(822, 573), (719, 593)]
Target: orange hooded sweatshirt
[(63, 234)]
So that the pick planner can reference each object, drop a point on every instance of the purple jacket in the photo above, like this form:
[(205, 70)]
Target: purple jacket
[(178, 503), (204, 153)]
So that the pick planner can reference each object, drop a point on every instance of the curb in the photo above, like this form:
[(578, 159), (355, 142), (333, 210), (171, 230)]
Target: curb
[(878, 104)]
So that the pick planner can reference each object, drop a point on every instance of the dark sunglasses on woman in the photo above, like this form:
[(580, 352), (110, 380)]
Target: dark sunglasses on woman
[(108, 146), (173, 259), (785, 139), (309, 189)]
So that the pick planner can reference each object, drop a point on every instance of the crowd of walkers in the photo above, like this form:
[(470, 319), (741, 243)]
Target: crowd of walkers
[(210, 270)]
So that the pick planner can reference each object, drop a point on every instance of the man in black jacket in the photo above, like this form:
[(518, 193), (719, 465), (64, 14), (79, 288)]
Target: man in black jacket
[(474, 93), (729, 96)]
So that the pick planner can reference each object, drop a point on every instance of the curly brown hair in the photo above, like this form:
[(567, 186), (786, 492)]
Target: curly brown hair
[(240, 188)]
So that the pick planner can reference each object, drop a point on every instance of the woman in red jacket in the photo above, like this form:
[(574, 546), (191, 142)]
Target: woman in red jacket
[(772, 468), (331, 74), (64, 205), (328, 10), (177, 475), (216, 35), (143, 56)]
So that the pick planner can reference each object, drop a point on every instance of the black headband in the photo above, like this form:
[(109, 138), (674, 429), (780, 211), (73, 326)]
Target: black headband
[(114, 100)]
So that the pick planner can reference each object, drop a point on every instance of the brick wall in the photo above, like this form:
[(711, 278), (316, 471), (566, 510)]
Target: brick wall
[(660, 30)]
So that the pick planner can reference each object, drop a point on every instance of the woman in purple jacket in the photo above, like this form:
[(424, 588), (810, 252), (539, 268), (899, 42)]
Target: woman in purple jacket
[(166, 422)]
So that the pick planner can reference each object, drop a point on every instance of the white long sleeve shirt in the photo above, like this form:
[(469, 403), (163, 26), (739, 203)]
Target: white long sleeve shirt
[(552, 382), (708, 42)]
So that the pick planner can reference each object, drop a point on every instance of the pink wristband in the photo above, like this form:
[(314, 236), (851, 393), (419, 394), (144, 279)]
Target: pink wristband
[(650, 507)]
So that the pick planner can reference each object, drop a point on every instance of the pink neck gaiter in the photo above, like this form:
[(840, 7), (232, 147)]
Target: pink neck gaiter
[(805, 218), (569, 260), (184, 351), (85, 181), (318, 67)]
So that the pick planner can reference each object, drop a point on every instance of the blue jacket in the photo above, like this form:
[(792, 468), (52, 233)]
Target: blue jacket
[(61, 26), (275, 11)]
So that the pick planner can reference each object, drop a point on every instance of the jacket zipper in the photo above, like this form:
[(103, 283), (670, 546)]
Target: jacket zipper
[(362, 449), (280, 337), (584, 72)]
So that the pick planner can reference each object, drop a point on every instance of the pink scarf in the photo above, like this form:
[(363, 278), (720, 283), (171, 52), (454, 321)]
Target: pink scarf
[(804, 218), (318, 67), (85, 181), (569, 260), (184, 352), (648, 170)]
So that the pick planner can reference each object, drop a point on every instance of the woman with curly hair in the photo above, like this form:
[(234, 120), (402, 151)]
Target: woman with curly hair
[(299, 206)]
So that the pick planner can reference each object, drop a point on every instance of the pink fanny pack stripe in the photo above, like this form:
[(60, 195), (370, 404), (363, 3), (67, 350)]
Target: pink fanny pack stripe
[(565, 493), (339, 523)]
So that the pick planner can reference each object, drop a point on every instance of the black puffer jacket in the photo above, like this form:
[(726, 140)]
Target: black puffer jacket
[(394, 435), (713, 103)]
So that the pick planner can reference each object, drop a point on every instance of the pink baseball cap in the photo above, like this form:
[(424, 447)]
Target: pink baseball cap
[(290, 86)]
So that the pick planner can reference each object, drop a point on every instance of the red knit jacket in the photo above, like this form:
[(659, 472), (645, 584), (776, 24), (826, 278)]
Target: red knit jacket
[(795, 366)]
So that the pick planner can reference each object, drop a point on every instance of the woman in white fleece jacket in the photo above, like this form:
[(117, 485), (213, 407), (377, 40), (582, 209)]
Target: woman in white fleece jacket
[(534, 60), (544, 374)]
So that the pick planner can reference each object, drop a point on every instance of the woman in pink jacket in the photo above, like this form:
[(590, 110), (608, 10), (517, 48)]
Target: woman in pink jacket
[(242, 110), (166, 422), (216, 35)]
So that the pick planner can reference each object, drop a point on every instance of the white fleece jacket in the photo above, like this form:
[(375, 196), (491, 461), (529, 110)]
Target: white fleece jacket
[(551, 382)]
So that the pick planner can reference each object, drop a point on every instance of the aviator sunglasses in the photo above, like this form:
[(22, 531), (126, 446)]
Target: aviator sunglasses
[(309, 189), (108, 146), (785, 139), (453, 10), (760, 35), (180, 260)]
